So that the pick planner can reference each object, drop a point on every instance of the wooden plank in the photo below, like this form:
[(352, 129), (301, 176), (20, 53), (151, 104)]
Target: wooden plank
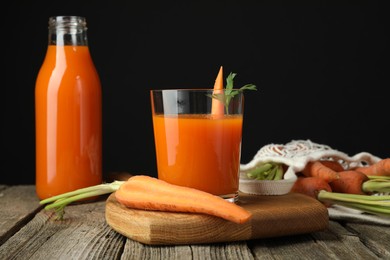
[(341, 243), (336, 242), (231, 250), (21, 204), (136, 250), (288, 247), (273, 216), (83, 234), (374, 237)]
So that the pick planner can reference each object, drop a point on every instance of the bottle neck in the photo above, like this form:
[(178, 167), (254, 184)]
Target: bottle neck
[(68, 30)]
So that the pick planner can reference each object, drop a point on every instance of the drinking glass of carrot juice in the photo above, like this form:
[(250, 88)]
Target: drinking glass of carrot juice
[(198, 139)]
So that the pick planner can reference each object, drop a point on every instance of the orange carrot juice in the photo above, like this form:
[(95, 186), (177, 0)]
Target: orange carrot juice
[(68, 122), (199, 151)]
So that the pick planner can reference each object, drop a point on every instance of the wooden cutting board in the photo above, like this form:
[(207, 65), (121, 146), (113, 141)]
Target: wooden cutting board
[(273, 216)]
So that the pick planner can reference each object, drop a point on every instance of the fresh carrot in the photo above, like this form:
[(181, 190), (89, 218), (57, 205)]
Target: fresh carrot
[(381, 168), (334, 165), (310, 186), (217, 107), (318, 169), (149, 193), (321, 190), (350, 182)]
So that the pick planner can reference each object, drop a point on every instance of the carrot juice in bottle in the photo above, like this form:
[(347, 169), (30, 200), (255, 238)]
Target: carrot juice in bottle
[(68, 112)]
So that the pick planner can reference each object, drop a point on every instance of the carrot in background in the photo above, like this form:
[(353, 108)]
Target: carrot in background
[(317, 169), (381, 168), (148, 193), (350, 182), (217, 107), (310, 186), (334, 165)]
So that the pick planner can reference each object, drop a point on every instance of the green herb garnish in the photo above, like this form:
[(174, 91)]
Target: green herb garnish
[(226, 96)]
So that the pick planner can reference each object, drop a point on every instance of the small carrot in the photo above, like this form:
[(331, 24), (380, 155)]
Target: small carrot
[(321, 190), (317, 169), (350, 182), (334, 165), (149, 193), (381, 168), (217, 107), (310, 186)]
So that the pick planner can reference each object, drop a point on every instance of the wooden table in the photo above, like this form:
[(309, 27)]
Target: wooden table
[(29, 232)]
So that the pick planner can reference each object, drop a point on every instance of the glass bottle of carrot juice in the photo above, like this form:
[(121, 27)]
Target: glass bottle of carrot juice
[(68, 112)]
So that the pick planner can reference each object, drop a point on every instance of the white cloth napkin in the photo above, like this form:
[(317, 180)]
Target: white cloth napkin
[(337, 212)]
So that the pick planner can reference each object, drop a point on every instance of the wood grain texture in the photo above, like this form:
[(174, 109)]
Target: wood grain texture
[(19, 205), (84, 234), (273, 216)]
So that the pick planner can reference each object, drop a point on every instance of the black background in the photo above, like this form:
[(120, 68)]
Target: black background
[(319, 68)]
